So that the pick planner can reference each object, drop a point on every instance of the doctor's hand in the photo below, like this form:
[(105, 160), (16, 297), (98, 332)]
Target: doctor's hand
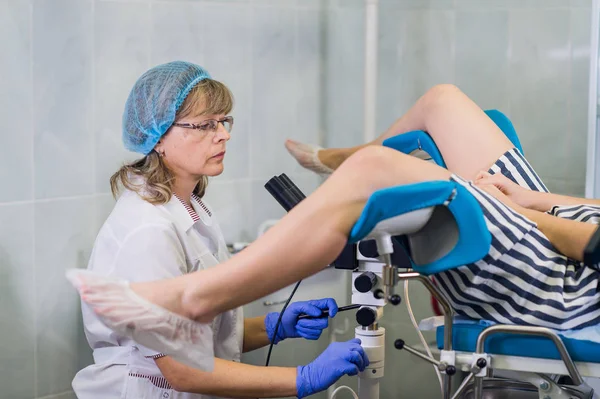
[(339, 359), (292, 327)]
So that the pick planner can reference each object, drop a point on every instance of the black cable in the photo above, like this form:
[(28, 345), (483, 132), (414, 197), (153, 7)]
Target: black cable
[(288, 195), (279, 321)]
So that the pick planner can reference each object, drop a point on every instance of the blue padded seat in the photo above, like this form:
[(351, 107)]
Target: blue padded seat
[(474, 238), (465, 339), (418, 139)]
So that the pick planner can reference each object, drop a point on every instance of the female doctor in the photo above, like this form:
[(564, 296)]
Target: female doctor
[(160, 227)]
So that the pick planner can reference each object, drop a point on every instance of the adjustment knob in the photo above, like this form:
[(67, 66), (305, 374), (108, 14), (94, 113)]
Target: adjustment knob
[(481, 363), (399, 344), (365, 282), (366, 316), (368, 249), (450, 370), (395, 299)]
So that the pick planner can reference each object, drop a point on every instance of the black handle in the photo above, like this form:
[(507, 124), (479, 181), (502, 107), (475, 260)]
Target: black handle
[(325, 313)]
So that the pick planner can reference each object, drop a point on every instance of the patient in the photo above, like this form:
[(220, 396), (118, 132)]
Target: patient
[(532, 275)]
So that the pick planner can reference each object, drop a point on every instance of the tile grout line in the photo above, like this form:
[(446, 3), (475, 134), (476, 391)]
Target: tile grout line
[(33, 212)]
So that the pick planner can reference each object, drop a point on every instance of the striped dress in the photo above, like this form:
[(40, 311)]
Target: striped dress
[(523, 279)]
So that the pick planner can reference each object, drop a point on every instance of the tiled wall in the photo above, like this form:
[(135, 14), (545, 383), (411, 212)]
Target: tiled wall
[(527, 58), (65, 71), (296, 70)]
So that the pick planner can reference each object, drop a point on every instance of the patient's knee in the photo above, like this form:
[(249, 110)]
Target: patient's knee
[(372, 158), (441, 93)]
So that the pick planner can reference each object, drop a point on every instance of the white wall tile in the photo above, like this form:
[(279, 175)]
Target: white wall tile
[(408, 68), (481, 57), (17, 321), (231, 202), (60, 246), (310, 78), (512, 4), (538, 81), (104, 206), (419, 4), (274, 77), (580, 66), (428, 57), (16, 102), (389, 80), (62, 105), (227, 55), (344, 49), (121, 55), (177, 33), (264, 206)]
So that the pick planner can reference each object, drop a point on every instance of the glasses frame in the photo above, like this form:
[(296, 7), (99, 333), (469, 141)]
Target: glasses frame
[(199, 126)]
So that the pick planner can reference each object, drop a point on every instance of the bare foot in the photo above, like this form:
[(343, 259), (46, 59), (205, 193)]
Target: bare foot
[(149, 313), (307, 156)]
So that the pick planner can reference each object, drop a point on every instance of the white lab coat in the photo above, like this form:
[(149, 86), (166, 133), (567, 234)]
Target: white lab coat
[(144, 242)]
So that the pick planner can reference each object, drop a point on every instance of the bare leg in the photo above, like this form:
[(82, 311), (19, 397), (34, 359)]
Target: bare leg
[(468, 140), (301, 244)]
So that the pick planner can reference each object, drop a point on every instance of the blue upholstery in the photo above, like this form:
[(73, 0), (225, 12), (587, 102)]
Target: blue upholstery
[(465, 338), (418, 139), (474, 238)]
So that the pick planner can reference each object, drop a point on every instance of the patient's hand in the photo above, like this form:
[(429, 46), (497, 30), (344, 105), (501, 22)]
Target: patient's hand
[(519, 195), (499, 195)]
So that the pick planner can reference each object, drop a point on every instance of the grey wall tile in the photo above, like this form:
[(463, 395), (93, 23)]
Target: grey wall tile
[(427, 58), (510, 4), (17, 310), (231, 202), (419, 4), (274, 77), (310, 97), (264, 206), (60, 246), (62, 105), (580, 66), (344, 49), (176, 33), (121, 55), (538, 80), (481, 56), (16, 101), (227, 53)]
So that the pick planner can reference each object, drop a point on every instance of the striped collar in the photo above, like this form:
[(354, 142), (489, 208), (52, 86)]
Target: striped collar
[(190, 215)]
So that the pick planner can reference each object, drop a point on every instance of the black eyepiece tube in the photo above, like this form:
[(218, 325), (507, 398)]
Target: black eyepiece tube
[(287, 182), (280, 193)]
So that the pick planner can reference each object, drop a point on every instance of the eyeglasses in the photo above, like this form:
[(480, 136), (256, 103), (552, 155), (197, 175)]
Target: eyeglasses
[(209, 125)]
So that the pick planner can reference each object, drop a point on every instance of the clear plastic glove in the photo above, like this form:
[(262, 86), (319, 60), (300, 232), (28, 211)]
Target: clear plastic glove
[(291, 327), (339, 359)]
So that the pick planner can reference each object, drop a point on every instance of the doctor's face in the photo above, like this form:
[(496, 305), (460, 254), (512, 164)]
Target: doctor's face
[(196, 145)]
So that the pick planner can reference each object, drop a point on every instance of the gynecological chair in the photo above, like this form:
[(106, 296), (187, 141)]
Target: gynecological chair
[(414, 231)]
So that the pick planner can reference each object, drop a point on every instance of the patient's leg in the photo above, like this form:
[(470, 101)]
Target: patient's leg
[(468, 140), (301, 244)]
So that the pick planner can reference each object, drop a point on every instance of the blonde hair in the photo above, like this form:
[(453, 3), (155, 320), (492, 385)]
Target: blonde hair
[(149, 176)]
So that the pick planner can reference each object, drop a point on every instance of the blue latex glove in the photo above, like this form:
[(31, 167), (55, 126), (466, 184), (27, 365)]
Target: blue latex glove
[(291, 327), (339, 359)]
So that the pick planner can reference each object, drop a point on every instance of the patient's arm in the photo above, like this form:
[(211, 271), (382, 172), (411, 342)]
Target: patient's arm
[(569, 237), (545, 201), (527, 198)]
